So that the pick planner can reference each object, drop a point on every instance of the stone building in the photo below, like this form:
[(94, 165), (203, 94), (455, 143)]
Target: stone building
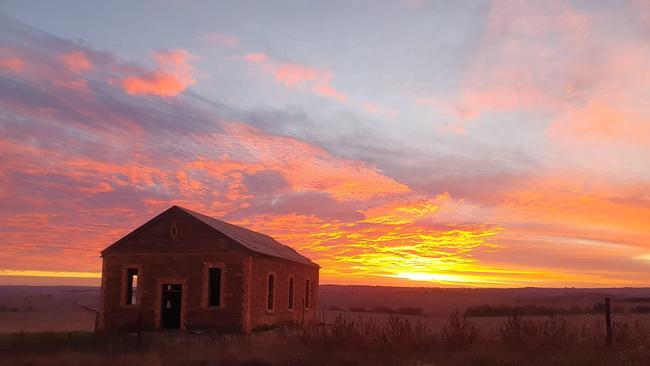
[(184, 270)]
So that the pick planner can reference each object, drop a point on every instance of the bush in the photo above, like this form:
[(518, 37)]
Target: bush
[(343, 329), (517, 332), (382, 310), (641, 309), (5, 308), (410, 311), (557, 332), (522, 310), (459, 332)]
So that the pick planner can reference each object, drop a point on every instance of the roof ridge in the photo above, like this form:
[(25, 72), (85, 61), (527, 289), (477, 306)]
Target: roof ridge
[(253, 240)]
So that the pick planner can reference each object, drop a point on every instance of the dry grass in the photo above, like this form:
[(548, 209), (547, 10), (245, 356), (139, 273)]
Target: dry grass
[(397, 341)]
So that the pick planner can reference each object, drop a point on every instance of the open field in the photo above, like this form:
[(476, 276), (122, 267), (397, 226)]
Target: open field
[(397, 341), (52, 308), (37, 324)]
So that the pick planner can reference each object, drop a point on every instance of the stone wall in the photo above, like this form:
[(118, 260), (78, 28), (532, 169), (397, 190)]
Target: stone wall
[(261, 268)]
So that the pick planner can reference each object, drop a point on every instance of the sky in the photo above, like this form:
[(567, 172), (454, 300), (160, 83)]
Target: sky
[(407, 143)]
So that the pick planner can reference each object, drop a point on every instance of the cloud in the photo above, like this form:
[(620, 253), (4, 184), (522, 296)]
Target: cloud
[(601, 122), (384, 251), (613, 115), (326, 90), (256, 57), (368, 208), (296, 76), (514, 69), (220, 39), (114, 160), (374, 109), (76, 61), (173, 75), (13, 64), (291, 75), (304, 166)]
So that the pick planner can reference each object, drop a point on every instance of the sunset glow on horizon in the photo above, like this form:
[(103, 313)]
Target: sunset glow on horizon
[(406, 143)]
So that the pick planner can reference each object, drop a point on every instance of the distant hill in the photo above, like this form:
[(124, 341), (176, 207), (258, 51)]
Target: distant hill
[(442, 301)]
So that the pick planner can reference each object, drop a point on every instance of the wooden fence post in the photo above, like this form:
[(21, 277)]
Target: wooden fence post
[(608, 322)]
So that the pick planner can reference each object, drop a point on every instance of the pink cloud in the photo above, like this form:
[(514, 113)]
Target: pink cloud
[(291, 75), (615, 113), (372, 108), (13, 64), (515, 69), (78, 85), (220, 39), (173, 75), (256, 57), (328, 91), (76, 61)]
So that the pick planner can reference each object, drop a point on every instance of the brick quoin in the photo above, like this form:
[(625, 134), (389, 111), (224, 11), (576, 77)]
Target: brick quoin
[(178, 247)]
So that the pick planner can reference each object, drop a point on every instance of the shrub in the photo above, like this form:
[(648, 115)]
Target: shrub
[(557, 332), (641, 309), (517, 332), (343, 329), (410, 311), (459, 332), (382, 309), (522, 310), (5, 308)]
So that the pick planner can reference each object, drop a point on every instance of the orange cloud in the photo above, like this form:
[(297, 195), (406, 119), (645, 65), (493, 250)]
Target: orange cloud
[(173, 76), (308, 168), (403, 212), (384, 251), (601, 121), (76, 61), (573, 205)]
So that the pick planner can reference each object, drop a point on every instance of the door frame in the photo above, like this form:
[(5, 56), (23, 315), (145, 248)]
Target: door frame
[(158, 309)]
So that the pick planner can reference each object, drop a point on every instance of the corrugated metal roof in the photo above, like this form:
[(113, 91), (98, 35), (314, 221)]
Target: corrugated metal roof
[(257, 242)]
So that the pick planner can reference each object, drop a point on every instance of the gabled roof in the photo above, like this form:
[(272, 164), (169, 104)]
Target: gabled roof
[(256, 242), (251, 240)]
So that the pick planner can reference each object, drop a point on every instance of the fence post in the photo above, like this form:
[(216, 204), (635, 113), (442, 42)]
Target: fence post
[(608, 322)]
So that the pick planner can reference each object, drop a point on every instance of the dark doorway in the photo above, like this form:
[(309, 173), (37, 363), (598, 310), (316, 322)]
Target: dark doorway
[(171, 306)]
